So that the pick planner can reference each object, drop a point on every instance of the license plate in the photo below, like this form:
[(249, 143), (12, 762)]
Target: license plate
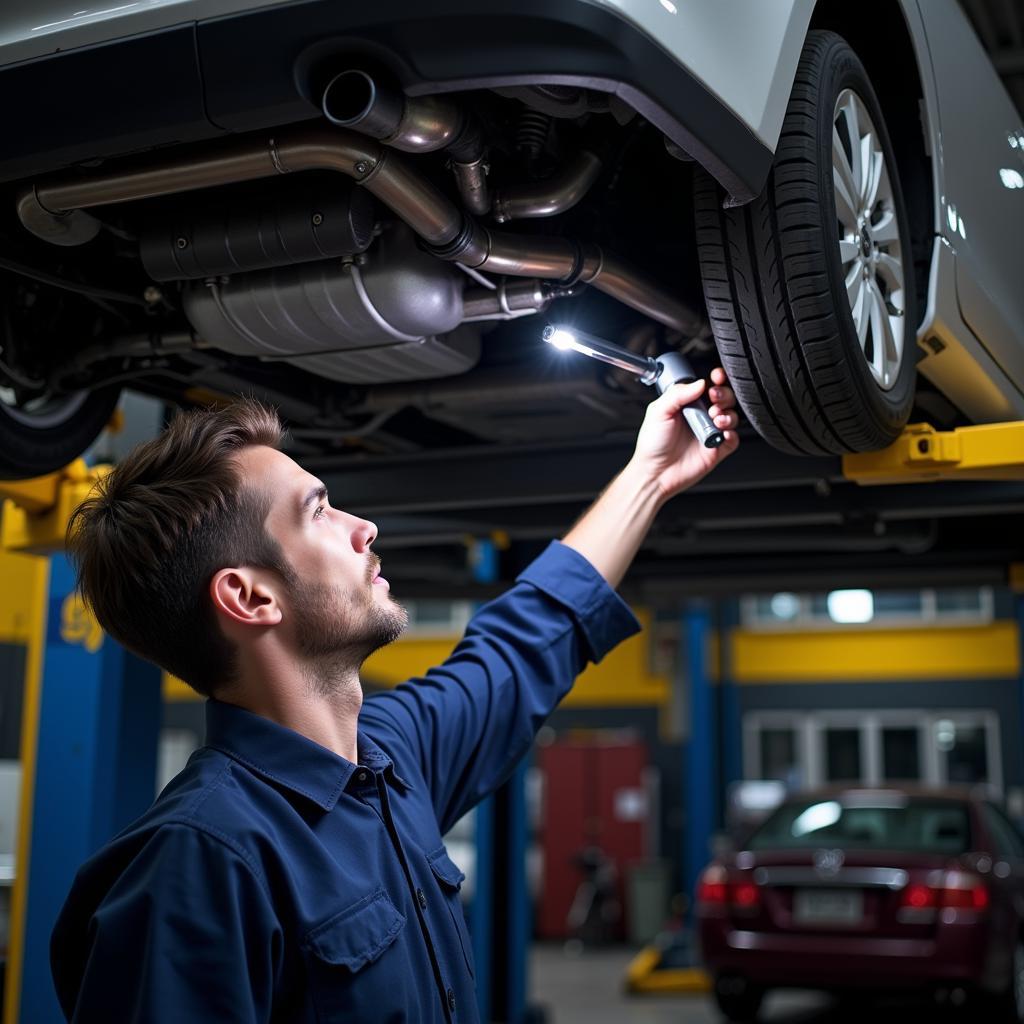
[(828, 906)]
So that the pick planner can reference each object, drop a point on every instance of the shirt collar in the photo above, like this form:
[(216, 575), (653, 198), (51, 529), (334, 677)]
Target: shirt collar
[(288, 758)]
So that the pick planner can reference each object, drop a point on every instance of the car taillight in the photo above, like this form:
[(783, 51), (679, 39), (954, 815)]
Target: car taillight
[(964, 891), (959, 890), (714, 887), (920, 897), (746, 895)]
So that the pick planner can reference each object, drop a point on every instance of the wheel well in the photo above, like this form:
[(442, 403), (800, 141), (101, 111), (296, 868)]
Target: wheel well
[(887, 53)]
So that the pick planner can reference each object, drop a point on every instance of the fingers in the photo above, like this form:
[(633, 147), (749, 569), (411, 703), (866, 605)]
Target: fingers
[(724, 419), (729, 444), (722, 409), (722, 396), (680, 395)]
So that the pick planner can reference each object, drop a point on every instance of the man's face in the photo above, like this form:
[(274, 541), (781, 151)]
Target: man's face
[(340, 608)]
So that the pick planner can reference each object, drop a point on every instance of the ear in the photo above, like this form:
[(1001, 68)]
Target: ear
[(245, 597)]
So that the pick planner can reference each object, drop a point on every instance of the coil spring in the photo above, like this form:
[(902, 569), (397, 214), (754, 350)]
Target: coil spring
[(532, 132)]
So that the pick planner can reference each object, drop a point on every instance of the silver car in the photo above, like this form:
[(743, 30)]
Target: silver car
[(367, 213)]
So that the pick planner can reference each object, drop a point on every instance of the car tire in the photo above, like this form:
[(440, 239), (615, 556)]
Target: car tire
[(1009, 1008), (737, 999), (799, 282), (45, 437)]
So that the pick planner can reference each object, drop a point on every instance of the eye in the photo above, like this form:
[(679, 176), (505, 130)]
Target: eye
[(320, 511)]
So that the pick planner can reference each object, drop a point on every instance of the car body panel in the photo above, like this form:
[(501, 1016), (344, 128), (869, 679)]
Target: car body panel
[(745, 53), (275, 77), (30, 29), (753, 75), (981, 199)]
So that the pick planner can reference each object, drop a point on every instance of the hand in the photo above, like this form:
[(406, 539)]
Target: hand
[(666, 450)]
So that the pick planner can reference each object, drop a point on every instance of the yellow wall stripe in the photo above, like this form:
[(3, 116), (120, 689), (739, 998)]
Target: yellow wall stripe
[(963, 652), (36, 575), (623, 678)]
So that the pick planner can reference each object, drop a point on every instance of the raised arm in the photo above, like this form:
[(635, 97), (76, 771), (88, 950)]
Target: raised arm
[(667, 460), (468, 722)]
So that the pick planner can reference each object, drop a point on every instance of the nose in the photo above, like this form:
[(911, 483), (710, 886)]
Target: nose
[(364, 533)]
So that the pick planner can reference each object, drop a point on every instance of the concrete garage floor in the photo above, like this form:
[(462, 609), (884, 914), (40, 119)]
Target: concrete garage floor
[(587, 989)]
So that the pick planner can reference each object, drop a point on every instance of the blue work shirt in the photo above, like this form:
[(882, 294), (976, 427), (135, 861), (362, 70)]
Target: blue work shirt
[(273, 880)]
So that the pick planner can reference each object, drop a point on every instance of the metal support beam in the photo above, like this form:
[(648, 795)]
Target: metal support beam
[(523, 475)]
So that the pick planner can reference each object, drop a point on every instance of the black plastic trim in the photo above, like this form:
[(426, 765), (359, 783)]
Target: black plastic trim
[(264, 68), (105, 100), (268, 66)]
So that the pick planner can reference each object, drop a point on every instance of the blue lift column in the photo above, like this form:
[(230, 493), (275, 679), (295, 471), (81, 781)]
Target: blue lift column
[(701, 781), (731, 720), (500, 912), (92, 714)]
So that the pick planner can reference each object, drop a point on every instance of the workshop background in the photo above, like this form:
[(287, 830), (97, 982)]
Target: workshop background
[(683, 735), (803, 633)]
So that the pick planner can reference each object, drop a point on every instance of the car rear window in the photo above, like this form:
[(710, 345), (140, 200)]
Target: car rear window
[(896, 824)]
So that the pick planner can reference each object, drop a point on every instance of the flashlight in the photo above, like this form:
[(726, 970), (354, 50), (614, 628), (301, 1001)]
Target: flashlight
[(661, 373)]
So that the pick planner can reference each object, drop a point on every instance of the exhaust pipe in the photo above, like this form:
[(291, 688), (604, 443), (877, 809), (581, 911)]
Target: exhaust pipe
[(414, 124), (559, 193), (47, 208)]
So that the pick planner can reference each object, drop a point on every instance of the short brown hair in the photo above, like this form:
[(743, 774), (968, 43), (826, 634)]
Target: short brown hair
[(151, 536)]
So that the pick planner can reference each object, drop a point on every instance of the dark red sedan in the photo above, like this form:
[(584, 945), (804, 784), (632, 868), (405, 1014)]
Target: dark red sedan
[(870, 890)]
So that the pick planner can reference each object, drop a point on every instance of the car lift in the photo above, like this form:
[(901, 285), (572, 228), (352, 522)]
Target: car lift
[(92, 717), (90, 727)]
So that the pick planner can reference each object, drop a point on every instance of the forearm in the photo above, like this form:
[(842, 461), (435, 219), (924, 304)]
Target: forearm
[(610, 532)]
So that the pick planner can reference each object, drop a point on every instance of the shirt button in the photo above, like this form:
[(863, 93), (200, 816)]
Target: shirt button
[(422, 898), (362, 776), (451, 1000)]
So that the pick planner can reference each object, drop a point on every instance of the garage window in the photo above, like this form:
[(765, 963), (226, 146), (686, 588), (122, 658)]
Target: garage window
[(867, 608), (814, 748)]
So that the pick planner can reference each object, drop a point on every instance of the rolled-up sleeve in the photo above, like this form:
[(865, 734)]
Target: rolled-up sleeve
[(470, 720)]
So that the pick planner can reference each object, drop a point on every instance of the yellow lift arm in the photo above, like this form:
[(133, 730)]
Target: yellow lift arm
[(991, 451), (36, 511)]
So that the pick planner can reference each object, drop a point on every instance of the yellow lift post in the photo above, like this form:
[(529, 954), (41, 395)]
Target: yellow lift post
[(990, 451), (36, 511)]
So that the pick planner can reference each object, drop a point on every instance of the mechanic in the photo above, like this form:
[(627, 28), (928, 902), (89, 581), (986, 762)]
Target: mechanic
[(294, 870)]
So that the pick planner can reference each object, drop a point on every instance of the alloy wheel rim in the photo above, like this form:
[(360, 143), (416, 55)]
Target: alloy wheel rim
[(43, 412), (869, 238)]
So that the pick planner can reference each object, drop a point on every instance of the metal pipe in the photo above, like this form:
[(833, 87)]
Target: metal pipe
[(471, 179), (44, 210), (424, 207), (412, 124), (555, 195), (507, 301), (554, 257), (616, 279)]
